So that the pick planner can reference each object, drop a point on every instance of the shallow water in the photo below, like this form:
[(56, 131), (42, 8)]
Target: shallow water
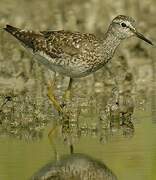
[(128, 157)]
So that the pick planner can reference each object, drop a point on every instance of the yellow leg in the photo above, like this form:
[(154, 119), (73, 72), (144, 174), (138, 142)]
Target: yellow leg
[(53, 99), (67, 94), (52, 133)]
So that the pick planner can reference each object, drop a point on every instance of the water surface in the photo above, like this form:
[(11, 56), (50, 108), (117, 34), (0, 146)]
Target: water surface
[(128, 157)]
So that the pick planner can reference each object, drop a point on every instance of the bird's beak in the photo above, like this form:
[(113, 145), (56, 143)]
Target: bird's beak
[(141, 36)]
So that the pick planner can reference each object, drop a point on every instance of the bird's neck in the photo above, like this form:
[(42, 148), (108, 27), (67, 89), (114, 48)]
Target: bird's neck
[(110, 42)]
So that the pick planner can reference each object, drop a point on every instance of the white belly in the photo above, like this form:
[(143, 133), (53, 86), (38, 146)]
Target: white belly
[(61, 67)]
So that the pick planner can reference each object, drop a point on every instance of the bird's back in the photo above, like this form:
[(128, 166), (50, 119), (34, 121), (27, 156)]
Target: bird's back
[(70, 53)]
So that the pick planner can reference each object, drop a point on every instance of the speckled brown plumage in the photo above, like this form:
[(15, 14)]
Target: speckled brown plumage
[(76, 54)]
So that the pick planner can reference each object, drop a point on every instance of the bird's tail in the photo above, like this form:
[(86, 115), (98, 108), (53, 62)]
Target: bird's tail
[(25, 37), (12, 30)]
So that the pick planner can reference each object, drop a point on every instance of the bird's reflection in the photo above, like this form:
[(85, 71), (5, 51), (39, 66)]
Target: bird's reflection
[(75, 167)]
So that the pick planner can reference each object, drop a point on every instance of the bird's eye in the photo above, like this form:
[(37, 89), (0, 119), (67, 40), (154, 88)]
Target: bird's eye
[(123, 25)]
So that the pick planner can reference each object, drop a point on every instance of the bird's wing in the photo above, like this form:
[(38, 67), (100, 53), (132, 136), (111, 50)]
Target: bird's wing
[(64, 42), (55, 44)]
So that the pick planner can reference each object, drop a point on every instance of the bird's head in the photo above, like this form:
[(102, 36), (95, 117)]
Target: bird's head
[(124, 27)]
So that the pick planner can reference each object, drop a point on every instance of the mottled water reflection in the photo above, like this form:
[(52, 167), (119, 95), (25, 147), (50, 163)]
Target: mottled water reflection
[(75, 167), (22, 118)]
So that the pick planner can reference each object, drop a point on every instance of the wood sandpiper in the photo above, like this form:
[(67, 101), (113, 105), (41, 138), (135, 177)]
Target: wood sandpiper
[(76, 54)]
